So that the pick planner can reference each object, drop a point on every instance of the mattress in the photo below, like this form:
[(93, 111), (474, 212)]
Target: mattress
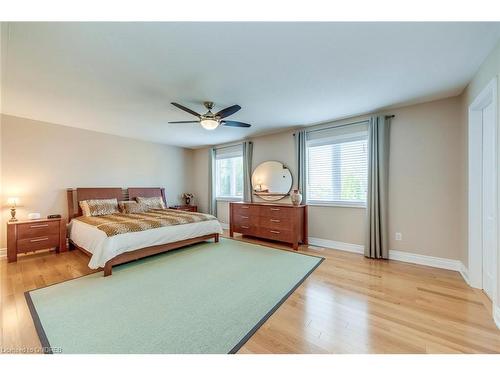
[(104, 248)]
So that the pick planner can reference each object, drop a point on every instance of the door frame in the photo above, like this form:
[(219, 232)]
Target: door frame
[(475, 230)]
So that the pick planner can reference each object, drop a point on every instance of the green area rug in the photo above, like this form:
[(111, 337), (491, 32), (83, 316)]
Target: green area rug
[(205, 298)]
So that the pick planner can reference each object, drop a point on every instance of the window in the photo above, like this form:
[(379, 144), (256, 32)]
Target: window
[(229, 172), (337, 165)]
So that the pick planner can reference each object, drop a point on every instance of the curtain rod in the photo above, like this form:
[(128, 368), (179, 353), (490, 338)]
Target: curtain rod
[(342, 125)]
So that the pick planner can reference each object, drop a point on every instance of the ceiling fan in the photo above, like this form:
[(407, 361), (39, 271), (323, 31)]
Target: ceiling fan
[(209, 120)]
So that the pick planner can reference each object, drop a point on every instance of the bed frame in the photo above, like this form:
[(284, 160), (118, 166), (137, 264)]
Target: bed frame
[(74, 210)]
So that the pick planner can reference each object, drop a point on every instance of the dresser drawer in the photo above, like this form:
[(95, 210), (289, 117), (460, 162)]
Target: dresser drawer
[(245, 219), (245, 229), (275, 223), (245, 210), (38, 243), (275, 212), (31, 230), (275, 234)]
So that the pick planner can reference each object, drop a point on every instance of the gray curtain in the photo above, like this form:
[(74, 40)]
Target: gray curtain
[(300, 152), (247, 171), (212, 202), (377, 233)]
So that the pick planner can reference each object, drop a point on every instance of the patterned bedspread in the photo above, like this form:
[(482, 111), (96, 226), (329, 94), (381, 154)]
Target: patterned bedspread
[(124, 223)]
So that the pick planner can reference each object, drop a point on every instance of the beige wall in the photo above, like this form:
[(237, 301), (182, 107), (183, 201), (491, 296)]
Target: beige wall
[(40, 160), (427, 183), (426, 189)]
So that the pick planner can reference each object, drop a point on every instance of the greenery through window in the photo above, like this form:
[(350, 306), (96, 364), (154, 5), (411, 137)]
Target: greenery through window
[(337, 169)]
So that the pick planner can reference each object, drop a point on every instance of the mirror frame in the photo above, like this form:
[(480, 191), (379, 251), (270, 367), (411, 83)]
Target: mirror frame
[(280, 196)]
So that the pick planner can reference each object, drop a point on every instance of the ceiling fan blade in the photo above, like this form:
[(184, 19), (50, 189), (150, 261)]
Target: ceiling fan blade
[(236, 124), (228, 111), (183, 122), (186, 109)]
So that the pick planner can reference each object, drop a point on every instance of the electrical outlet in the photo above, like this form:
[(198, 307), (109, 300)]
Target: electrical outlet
[(399, 236)]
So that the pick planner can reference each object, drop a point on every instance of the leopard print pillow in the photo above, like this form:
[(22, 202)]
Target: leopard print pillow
[(99, 207), (152, 203), (132, 207)]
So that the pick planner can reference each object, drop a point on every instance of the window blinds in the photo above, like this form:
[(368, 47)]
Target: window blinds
[(229, 152), (337, 165)]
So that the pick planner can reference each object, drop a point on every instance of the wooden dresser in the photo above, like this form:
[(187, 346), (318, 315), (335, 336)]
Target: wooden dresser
[(32, 235), (272, 221)]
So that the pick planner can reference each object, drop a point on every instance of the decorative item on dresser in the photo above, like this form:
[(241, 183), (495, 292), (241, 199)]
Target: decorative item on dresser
[(185, 207), (273, 221), (32, 235)]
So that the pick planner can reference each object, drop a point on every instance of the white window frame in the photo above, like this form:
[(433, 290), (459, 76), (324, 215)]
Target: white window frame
[(229, 198), (349, 137)]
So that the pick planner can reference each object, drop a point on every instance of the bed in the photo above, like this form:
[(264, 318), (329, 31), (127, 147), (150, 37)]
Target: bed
[(106, 251)]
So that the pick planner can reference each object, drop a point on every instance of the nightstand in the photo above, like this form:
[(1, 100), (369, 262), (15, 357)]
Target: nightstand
[(32, 235), (185, 207)]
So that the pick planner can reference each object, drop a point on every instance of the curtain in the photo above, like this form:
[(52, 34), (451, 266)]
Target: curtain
[(300, 152), (376, 242), (212, 202), (247, 171)]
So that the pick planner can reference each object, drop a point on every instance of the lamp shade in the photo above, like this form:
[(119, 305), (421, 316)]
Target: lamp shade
[(12, 201), (209, 124)]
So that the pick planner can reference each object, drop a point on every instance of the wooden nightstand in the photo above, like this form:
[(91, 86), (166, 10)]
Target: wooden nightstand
[(185, 207), (32, 235)]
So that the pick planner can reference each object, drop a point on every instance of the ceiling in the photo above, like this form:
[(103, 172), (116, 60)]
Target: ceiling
[(119, 78)]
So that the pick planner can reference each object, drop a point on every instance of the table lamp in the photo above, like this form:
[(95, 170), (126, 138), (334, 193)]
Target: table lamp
[(13, 202)]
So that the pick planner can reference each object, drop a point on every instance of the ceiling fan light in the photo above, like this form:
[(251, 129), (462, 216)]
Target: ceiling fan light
[(209, 124)]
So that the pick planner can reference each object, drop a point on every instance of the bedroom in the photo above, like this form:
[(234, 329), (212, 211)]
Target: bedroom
[(298, 205)]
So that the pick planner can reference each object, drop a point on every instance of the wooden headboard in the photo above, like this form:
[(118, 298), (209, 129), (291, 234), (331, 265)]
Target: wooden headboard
[(147, 193), (81, 194)]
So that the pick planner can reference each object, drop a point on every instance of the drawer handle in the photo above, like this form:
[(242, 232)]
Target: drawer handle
[(275, 231), (39, 239), (244, 217), (244, 207), (275, 209), (275, 220), (244, 227), (39, 226)]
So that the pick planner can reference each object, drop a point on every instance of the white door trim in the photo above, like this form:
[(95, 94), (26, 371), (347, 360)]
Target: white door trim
[(487, 96)]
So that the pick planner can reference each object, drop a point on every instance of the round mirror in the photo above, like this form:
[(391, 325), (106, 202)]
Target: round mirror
[(271, 180)]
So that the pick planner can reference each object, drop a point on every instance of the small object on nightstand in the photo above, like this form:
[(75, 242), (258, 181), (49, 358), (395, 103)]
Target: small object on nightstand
[(34, 216), (57, 216), (185, 207), (32, 235)]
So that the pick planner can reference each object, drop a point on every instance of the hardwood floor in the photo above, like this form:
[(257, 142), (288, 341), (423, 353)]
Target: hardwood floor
[(349, 304)]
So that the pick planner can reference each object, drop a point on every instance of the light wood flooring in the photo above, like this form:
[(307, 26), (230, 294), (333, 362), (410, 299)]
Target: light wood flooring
[(349, 304)]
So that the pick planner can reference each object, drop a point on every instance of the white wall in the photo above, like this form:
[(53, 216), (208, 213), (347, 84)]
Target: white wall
[(40, 160), (489, 69)]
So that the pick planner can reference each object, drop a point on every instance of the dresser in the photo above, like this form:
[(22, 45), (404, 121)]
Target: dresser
[(32, 235), (272, 221)]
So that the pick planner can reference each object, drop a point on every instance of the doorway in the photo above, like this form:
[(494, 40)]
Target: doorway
[(483, 191)]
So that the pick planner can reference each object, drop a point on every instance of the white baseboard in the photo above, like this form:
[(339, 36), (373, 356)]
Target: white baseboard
[(464, 271), (344, 246), (496, 315), (3, 253), (425, 260)]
